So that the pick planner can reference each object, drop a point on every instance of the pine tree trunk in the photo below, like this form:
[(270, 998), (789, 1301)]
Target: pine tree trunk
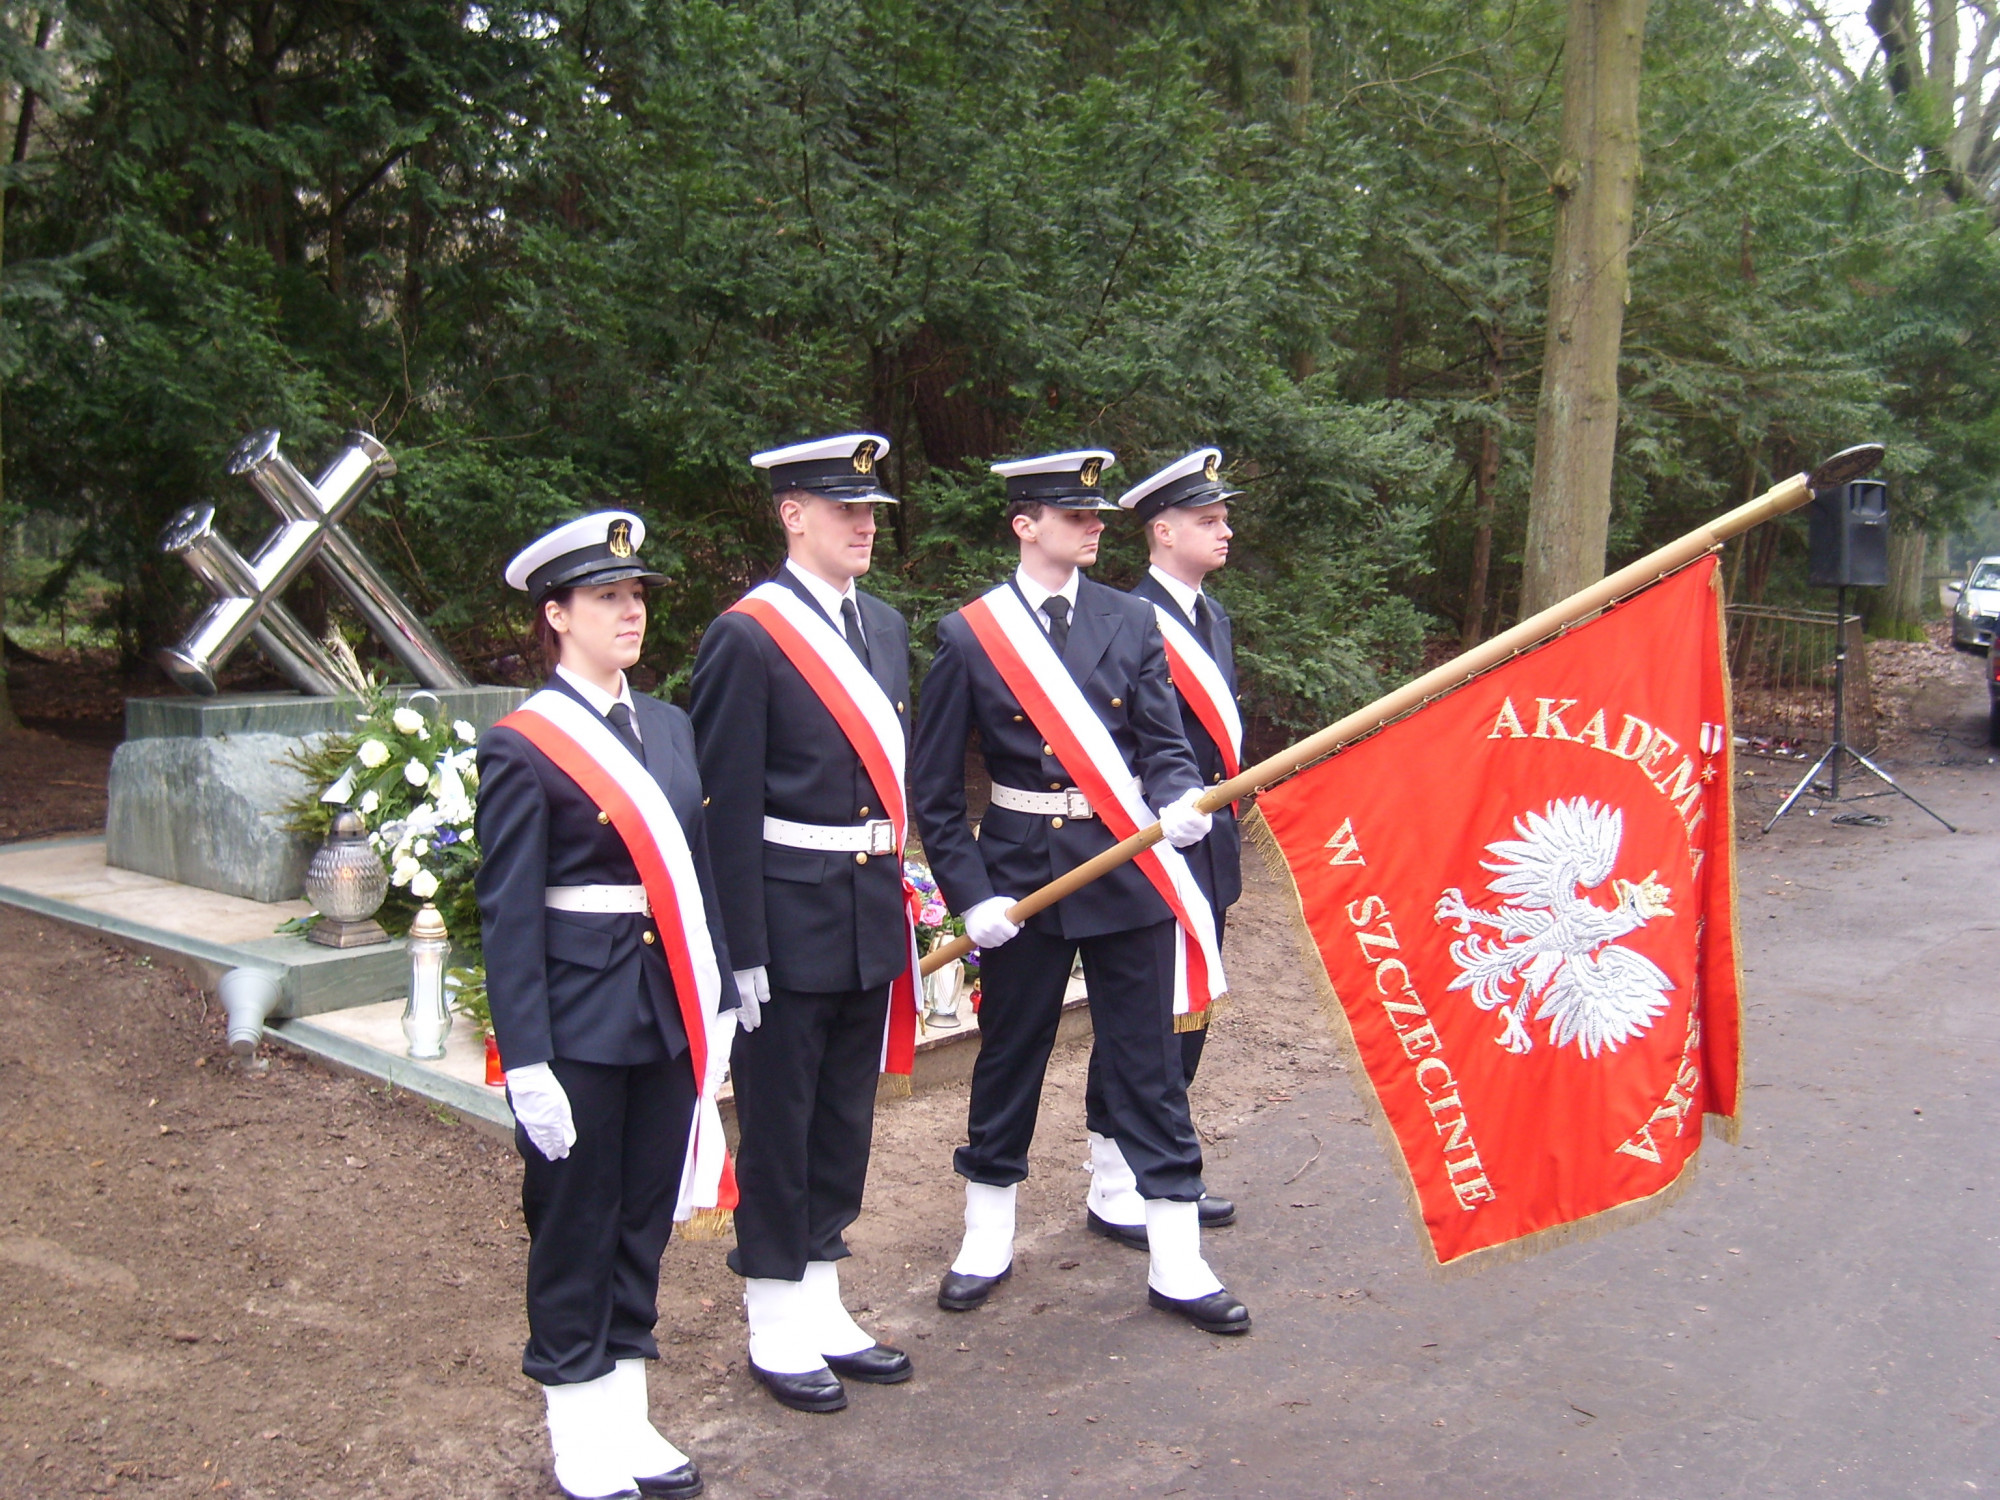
[(1899, 609), (1576, 422)]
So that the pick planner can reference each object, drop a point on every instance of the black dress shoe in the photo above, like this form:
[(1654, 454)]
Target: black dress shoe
[(1218, 1312), (570, 1494), (880, 1365), (959, 1292), (816, 1390), (1215, 1212), (676, 1484), (1126, 1234)]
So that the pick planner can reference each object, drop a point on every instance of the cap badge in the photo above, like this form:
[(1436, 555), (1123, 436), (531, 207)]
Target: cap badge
[(864, 457), (1092, 469), (1209, 469), (619, 539)]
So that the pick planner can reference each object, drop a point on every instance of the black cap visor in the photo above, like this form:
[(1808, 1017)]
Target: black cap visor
[(589, 565), (1192, 491)]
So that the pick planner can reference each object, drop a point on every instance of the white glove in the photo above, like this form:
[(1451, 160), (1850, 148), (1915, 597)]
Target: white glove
[(1182, 823), (987, 925), (542, 1107), (753, 988)]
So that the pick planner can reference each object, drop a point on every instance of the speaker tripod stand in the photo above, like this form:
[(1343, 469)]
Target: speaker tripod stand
[(1839, 749)]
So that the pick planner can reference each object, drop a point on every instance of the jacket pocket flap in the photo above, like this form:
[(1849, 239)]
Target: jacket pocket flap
[(807, 866), (575, 943)]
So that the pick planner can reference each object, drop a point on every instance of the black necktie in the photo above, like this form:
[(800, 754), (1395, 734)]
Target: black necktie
[(621, 725), (850, 619), (1204, 623), (1057, 609)]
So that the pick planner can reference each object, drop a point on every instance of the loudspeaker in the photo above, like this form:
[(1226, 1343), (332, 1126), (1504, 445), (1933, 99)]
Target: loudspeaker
[(1849, 535)]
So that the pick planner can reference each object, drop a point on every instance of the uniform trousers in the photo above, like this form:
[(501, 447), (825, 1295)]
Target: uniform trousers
[(805, 1108), (1129, 976), (599, 1219), (1095, 1113)]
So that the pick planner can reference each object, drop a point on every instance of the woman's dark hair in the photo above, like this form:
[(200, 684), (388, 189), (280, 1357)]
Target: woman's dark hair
[(545, 634)]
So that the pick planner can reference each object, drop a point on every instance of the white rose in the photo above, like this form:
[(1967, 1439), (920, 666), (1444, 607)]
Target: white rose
[(370, 800), (420, 848), (407, 720), (372, 753), (465, 732), (405, 871), (417, 773), (423, 885)]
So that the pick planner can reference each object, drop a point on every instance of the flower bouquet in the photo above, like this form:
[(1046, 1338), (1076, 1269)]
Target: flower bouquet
[(413, 777), (935, 925)]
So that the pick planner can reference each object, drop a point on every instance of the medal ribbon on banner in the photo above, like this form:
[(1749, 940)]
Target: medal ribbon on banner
[(1028, 664), (863, 711), (582, 746)]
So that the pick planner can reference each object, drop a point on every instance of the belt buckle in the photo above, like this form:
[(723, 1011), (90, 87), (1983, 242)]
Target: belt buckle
[(881, 837), (1079, 804)]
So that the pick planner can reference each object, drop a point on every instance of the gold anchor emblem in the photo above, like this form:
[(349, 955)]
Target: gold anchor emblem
[(1089, 473), (619, 539), (864, 458), (1209, 469)]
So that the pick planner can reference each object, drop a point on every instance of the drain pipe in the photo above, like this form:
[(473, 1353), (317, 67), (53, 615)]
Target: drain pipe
[(248, 997)]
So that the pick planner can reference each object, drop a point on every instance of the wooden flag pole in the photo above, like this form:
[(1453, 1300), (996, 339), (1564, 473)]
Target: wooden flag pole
[(1849, 463)]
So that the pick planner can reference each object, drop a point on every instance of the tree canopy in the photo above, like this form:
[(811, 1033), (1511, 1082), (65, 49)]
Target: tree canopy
[(583, 253)]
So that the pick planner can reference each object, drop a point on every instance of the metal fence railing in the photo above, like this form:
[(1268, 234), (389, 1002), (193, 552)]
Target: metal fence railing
[(1781, 674)]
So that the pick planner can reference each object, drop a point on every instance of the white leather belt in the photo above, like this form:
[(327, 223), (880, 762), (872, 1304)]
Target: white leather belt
[(603, 899), (877, 837), (1069, 803)]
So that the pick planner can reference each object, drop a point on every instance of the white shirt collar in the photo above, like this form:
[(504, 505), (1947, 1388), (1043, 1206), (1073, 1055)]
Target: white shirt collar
[(1037, 596), (600, 700), (826, 595), (1179, 592)]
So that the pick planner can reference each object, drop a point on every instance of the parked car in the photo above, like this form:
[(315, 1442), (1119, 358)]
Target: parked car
[(1977, 609)]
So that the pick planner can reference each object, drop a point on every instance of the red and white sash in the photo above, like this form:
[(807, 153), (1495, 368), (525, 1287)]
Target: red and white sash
[(1199, 680), (584, 749), (1028, 664), (865, 715)]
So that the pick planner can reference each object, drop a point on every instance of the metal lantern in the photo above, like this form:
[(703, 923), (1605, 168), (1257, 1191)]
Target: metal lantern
[(427, 1016), (346, 883), (942, 988)]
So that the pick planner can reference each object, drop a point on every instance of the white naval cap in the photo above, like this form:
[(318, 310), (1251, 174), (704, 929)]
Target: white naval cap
[(599, 548), (840, 468), (1193, 480), (1071, 481)]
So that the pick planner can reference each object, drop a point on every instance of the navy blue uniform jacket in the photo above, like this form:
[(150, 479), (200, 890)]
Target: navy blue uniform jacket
[(1217, 861), (1116, 656), (581, 985), (821, 922)]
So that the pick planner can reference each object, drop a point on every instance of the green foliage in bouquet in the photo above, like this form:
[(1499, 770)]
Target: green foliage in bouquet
[(413, 777)]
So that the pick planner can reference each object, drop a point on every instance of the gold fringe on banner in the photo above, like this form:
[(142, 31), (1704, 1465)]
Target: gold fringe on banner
[(708, 1224), (893, 1086), (1197, 1020)]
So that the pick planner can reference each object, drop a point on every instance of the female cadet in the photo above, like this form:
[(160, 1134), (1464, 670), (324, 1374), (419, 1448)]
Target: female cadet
[(609, 1016)]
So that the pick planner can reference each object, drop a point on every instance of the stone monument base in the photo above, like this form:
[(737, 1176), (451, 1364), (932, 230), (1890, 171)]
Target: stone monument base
[(196, 786)]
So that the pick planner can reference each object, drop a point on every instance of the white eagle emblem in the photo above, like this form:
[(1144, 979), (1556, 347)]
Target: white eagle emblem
[(1551, 944)]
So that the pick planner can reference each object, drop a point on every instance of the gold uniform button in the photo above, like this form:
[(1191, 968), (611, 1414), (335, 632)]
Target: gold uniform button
[(1055, 822), (1055, 786), (604, 817), (1018, 719), (646, 937), (704, 802), (862, 814), (1117, 702), (1048, 749), (899, 705), (861, 859)]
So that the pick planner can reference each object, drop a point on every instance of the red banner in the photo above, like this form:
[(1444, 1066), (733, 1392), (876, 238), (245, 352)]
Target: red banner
[(1524, 899)]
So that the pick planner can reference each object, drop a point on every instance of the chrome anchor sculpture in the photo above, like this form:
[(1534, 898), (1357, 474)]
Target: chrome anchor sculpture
[(309, 531)]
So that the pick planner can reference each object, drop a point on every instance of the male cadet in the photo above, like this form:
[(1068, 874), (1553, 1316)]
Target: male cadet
[(1185, 510), (800, 699), (1066, 682)]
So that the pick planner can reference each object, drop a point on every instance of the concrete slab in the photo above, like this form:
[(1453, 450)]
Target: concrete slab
[(203, 933), (293, 713), (369, 1039)]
